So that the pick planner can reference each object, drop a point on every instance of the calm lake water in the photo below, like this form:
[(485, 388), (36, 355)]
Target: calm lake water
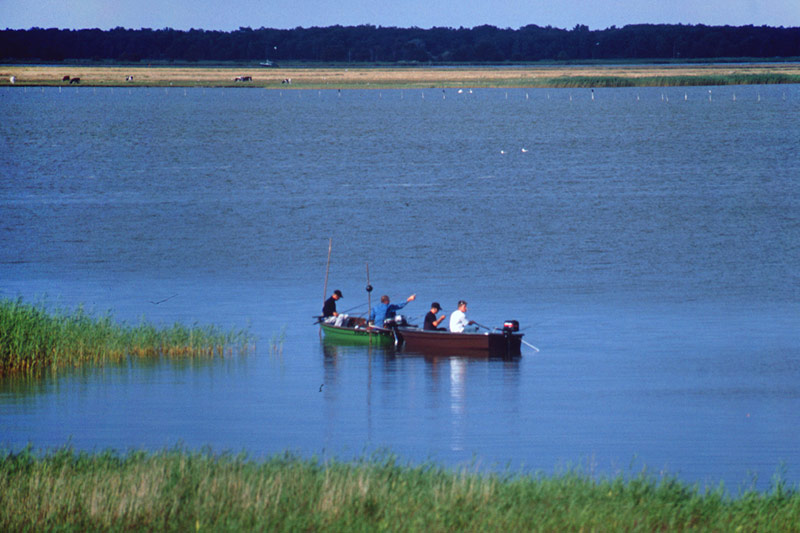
[(648, 241)]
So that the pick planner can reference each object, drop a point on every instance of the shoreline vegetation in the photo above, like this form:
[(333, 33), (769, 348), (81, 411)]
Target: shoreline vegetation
[(523, 76), (34, 340), (180, 490)]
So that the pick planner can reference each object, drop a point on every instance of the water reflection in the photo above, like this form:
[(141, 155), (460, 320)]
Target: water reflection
[(458, 377), (390, 378)]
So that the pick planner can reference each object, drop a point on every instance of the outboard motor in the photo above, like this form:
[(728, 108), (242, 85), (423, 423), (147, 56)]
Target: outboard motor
[(509, 328)]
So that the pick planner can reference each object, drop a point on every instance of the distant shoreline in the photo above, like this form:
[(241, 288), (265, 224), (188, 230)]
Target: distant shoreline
[(551, 76)]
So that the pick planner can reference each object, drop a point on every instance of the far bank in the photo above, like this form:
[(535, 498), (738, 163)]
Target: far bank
[(402, 77)]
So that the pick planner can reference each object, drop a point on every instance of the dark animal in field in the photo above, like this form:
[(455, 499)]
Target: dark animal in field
[(76, 81), (65, 78), (128, 78), (243, 78)]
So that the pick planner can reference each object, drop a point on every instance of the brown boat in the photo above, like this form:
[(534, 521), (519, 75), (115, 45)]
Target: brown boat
[(496, 343)]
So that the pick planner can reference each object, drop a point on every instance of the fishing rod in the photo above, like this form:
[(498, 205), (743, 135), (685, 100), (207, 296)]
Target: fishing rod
[(319, 318), (529, 345), (353, 308)]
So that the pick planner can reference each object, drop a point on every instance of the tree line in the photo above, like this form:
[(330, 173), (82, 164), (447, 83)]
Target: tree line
[(371, 44)]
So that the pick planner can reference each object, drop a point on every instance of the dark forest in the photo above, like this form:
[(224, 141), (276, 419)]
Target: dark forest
[(373, 45)]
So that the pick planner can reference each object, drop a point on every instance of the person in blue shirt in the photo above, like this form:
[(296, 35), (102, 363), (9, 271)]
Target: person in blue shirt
[(385, 310)]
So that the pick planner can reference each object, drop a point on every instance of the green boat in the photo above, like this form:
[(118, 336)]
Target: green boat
[(355, 331)]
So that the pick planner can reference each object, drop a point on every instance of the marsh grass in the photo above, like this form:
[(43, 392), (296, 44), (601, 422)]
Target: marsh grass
[(276, 343), (33, 339), (179, 490), (670, 81)]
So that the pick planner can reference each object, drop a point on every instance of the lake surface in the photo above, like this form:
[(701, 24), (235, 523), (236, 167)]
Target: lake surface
[(647, 240)]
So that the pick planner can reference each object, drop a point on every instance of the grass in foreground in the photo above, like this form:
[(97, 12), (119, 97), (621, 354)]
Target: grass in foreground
[(178, 490), (33, 339)]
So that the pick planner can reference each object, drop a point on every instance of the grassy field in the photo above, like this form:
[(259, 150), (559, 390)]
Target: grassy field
[(406, 77), (33, 339), (178, 490)]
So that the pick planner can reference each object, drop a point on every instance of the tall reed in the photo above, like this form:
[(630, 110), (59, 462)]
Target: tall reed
[(33, 339), (179, 490), (668, 81)]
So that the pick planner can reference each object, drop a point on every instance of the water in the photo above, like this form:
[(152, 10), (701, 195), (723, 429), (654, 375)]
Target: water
[(647, 240)]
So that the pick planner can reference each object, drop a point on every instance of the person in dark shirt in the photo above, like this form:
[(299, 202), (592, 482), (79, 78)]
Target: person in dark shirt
[(329, 309), (431, 322)]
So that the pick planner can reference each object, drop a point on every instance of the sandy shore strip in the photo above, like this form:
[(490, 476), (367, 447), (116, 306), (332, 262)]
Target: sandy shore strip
[(402, 77)]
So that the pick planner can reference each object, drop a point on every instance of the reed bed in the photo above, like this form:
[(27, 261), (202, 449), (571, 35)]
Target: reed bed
[(33, 339), (179, 490), (670, 81)]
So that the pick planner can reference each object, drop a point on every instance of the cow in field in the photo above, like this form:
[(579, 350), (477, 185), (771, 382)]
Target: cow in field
[(75, 81), (65, 78)]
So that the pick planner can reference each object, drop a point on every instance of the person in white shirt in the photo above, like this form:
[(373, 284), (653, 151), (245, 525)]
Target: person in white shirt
[(459, 320)]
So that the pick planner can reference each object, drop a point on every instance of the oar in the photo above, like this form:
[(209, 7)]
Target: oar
[(529, 345)]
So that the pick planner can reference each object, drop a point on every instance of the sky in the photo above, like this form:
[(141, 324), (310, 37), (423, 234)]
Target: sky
[(229, 15)]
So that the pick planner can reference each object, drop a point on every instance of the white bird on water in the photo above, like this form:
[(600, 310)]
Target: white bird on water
[(524, 150)]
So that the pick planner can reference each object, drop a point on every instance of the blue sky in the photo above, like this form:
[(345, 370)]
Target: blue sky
[(231, 14)]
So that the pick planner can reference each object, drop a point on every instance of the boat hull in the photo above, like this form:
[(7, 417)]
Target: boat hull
[(495, 344), (358, 335)]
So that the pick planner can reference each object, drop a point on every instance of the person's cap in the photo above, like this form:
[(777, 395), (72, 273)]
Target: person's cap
[(435, 305), (338, 293), (461, 302)]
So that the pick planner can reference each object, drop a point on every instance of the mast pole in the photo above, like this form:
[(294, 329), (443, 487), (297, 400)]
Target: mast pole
[(369, 292), (327, 269)]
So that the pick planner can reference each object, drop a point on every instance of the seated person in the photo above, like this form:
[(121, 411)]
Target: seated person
[(386, 310), (459, 323), (431, 322), (329, 313)]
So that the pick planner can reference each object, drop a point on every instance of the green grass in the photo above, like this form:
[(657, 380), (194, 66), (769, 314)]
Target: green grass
[(33, 339), (179, 490)]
